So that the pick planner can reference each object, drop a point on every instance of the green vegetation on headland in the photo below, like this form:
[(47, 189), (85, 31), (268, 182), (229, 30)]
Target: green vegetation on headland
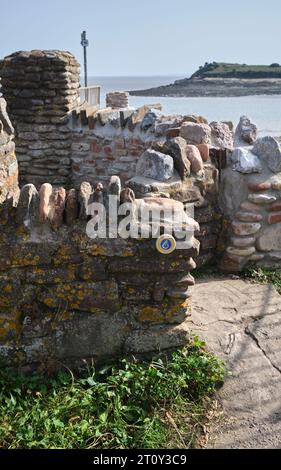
[(163, 403), (223, 79), (225, 70)]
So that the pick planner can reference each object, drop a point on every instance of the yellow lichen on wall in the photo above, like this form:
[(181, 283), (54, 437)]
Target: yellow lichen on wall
[(166, 313)]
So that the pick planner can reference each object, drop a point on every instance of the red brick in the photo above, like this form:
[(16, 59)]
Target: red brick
[(274, 219), (136, 141), (275, 207), (204, 151), (257, 186), (95, 147), (173, 132), (248, 216), (107, 150), (249, 206)]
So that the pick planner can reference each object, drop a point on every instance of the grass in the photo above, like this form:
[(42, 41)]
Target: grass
[(265, 276), (260, 275), (157, 404), (228, 70)]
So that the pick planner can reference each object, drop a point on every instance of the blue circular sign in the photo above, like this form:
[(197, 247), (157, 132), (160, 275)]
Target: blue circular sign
[(166, 244)]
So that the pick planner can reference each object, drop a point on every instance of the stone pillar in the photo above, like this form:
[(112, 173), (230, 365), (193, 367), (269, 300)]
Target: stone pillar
[(8, 161), (41, 90)]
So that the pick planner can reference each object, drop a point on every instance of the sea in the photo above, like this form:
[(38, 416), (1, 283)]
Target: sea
[(264, 110)]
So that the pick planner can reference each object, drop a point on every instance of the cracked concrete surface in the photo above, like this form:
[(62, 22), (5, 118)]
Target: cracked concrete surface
[(241, 323)]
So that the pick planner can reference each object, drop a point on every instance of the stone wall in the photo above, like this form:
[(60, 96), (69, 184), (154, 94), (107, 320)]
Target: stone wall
[(8, 161), (65, 297), (66, 148), (41, 88), (251, 203), (113, 142)]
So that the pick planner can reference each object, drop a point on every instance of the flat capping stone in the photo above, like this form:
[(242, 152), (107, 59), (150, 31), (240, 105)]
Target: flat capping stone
[(36, 54)]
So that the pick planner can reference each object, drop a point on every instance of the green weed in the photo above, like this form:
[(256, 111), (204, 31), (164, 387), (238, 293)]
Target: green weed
[(265, 276), (155, 404)]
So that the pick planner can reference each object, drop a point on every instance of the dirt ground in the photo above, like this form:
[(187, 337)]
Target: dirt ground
[(241, 323)]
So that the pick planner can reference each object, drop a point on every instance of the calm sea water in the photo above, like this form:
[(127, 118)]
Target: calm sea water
[(265, 111)]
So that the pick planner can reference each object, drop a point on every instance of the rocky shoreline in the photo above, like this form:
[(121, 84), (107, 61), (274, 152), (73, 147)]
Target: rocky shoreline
[(214, 87)]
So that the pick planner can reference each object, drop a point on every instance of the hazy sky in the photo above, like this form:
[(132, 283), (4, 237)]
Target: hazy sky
[(146, 37)]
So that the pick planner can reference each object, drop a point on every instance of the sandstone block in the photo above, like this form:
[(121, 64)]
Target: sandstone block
[(270, 239), (276, 185), (241, 251), (114, 187), (152, 265), (248, 216), (250, 206), (195, 159), (195, 119), (178, 293), (256, 257), (185, 282), (45, 194), (275, 255), (71, 207), (157, 338), (244, 228), (232, 263), (6, 125), (84, 199), (173, 132), (28, 206), (57, 205), (242, 242), (87, 297), (261, 198)]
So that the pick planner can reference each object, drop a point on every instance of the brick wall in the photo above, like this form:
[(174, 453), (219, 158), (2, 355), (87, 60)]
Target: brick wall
[(95, 157)]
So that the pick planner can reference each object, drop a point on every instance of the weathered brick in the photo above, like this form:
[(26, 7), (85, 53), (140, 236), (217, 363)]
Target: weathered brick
[(274, 219), (257, 186), (275, 207)]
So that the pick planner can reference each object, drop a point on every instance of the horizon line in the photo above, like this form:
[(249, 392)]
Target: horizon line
[(137, 76)]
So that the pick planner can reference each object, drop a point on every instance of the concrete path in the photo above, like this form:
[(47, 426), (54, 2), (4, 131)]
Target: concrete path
[(241, 323)]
